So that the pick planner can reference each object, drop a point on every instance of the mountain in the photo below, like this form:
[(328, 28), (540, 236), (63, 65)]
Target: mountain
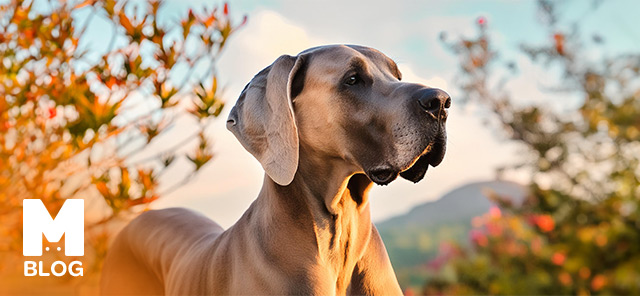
[(413, 239), (464, 202)]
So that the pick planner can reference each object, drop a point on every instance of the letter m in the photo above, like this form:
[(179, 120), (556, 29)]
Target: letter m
[(37, 221)]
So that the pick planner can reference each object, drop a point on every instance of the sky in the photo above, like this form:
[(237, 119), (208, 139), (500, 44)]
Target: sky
[(406, 31)]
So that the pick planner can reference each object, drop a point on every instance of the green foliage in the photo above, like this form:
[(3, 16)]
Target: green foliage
[(578, 231), (75, 120), (410, 248)]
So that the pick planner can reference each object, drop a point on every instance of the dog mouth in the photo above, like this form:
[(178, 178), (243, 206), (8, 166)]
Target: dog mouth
[(414, 172), (433, 156)]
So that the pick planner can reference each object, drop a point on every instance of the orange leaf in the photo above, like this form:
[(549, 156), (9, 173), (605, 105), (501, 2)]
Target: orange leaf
[(52, 112), (85, 3), (112, 80), (126, 24), (29, 34), (102, 188), (210, 20), (559, 42)]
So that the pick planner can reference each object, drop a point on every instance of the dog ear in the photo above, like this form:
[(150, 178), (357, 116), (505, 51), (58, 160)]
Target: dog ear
[(263, 119)]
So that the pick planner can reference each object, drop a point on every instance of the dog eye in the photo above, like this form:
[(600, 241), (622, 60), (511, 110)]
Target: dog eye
[(352, 80)]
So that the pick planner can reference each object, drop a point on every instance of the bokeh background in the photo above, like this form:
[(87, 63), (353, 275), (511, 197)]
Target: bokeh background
[(123, 103)]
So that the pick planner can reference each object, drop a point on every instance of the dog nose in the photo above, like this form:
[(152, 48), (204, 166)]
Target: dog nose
[(433, 99)]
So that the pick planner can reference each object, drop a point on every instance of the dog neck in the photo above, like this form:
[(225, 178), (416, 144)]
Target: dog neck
[(328, 204)]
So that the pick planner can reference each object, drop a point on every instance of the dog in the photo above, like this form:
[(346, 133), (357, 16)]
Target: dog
[(325, 125)]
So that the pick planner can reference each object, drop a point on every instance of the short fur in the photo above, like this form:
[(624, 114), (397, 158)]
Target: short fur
[(324, 125)]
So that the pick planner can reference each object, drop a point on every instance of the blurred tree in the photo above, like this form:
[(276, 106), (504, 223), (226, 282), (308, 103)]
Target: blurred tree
[(77, 115), (579, 230)]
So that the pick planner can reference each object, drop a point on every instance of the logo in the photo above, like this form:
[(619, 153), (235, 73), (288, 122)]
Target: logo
[(38, 222)]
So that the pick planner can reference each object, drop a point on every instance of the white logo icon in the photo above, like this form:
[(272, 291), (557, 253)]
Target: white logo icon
[(36, 221)]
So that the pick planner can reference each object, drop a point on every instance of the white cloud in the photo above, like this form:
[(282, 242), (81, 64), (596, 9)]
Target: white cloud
[(409, 75), (225, 188)]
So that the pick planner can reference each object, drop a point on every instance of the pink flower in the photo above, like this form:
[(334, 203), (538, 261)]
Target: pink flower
[(482, 21), (478, 238), (494, 212)]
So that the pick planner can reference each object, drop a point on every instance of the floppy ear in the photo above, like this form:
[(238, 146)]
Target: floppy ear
[(263, 120)]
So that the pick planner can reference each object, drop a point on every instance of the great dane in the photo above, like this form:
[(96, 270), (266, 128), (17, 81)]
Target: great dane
[(324, 125)]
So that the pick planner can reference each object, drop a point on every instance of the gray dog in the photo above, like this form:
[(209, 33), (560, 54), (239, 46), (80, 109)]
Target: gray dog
[(324, 125)]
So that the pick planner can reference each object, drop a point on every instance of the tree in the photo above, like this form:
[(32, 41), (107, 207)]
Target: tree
[(76, 119), (578, 231)]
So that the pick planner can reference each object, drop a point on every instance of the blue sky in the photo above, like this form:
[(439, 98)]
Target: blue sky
[(408, 32), (516, 21)]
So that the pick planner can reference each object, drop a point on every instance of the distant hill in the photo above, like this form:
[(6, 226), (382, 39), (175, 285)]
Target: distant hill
[(413, 239), (463, 202)]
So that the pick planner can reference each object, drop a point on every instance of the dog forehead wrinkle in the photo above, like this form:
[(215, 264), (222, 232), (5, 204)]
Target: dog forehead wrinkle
[(357, 63), (337, 59), (379, 58)]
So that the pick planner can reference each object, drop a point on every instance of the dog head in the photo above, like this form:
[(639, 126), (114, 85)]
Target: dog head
[(341, 102)]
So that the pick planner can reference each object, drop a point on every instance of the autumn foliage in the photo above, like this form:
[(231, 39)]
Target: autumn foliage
[(78, 111), (578, 230)]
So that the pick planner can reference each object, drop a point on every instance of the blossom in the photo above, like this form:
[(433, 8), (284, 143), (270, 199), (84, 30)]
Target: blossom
[(598, 282), (478, 238), (544, 222), (482, 21), (565, 278), (558, 258), (494, 212)]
